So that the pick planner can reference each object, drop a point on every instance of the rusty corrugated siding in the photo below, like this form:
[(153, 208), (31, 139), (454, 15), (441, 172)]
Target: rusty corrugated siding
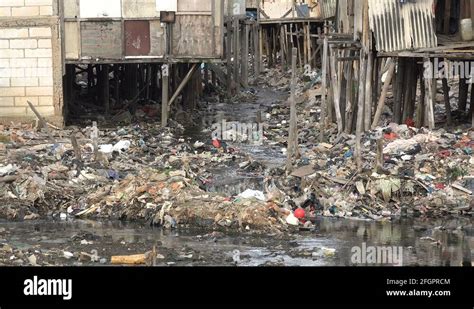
[(399, 27), (328, 8)]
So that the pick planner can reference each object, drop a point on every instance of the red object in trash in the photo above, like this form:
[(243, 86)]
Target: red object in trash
[(440, 186), (216, 143), (409, 122), (444, 154), (300, 213), (391, 136)]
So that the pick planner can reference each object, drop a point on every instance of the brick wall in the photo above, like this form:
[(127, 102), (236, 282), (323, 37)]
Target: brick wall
[(26, 8), (28, 59)]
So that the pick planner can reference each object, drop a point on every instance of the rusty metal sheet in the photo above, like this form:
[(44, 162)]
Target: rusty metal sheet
[(137, 37), (101, 39), (402, 26)]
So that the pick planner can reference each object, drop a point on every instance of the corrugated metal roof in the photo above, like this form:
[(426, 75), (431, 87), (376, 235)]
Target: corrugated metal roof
[(402, 26), (328, 8)]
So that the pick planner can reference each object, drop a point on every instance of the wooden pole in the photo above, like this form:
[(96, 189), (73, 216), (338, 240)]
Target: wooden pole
[(368, 92), (164, 94), (245, 55), (105, 88), (349, 96), (293, 134), (237, 55), (463, 91), (430, 88), (181, 86), (282, 47), (398, 91), (322, 126), (447, 103), (420, 110), (336, 86), (229, 52), (383, 96), (360, 109)]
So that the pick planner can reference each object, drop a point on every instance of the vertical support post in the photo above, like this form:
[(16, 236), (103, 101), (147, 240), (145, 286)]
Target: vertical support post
[(336, 86), (293, 134), (237, 54), (447, 103), (420, 115), (368, 92), (322, 126), (256, 46), (229, 52), (282, 46), (383, 96), (105, 88), (245, 56), (164, 94), (360, 109), (430, 88)]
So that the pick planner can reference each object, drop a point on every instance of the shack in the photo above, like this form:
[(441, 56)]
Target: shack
[(125, 50)]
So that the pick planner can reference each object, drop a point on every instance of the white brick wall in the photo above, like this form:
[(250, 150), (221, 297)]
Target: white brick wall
[(26, 66), (26, 8)]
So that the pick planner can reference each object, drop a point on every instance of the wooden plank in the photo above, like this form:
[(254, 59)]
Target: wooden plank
[(383, 96), (322, 125), (293, 134)]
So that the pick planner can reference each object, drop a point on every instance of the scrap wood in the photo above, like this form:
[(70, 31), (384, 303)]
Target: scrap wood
[(137, 259), (8, 179), (461, 188), (42, 121)]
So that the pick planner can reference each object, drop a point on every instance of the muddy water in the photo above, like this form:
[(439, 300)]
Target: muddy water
[(427, 244)]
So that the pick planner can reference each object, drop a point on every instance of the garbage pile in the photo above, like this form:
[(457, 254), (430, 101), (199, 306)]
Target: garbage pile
[(420, 173), (135, 172)]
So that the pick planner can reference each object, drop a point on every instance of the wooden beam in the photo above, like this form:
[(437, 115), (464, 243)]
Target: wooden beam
[(383, 96), (183, 84), (164, 94)]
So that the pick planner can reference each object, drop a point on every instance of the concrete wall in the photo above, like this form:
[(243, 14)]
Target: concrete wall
[(30, 60)]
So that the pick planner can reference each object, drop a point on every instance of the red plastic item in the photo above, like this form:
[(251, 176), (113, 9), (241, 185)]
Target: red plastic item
[(392, 136), (409, 122), (300, 213), (216, 143)]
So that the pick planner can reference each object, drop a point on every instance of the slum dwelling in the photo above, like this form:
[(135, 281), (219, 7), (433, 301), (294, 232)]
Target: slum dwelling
[(392, 50)]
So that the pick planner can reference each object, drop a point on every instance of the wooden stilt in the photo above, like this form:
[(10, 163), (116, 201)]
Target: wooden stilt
[(336, 86), (360, 110), (283, 47), (245, 55), (322, 125), (105, 88), (447, 103), (430, 86), (237, 55), (383, 96), (164, 94), (229, 53), (398, 95), (420, 110), (368, 92), (293, 134), (463, 91), (349, 96)]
